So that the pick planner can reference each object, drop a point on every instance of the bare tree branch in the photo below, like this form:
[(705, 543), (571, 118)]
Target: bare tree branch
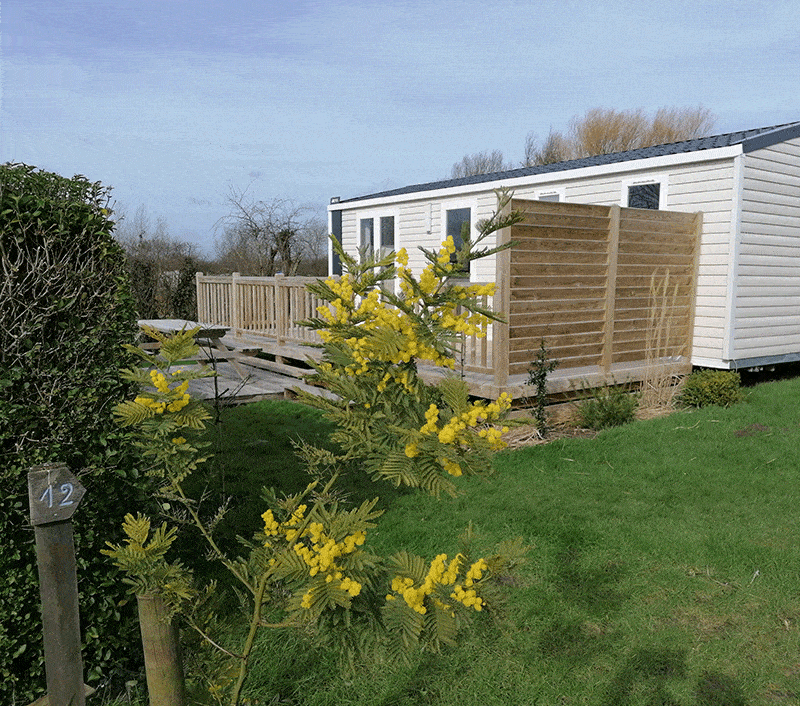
[(479, 163), (265, 237), (606, 130)]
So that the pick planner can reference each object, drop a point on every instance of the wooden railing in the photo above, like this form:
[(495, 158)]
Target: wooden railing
[(272, 307), (259, 306)]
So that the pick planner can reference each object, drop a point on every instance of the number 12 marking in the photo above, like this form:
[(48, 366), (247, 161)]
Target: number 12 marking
[(66, 493)]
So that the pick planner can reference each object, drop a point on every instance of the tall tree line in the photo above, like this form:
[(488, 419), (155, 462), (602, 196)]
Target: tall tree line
[(598, 131)]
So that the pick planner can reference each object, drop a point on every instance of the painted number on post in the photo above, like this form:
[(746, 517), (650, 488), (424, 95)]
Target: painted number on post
[(53, 492), (66, 491)]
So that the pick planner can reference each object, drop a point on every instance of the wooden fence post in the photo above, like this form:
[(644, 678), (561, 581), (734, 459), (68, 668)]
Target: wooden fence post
[(234, 322), (502, 305), (201, 303), (162, 656), (281, 309), (53, 496), (611, 290)]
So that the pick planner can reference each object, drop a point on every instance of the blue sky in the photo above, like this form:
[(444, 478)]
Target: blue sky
[(173, 102)]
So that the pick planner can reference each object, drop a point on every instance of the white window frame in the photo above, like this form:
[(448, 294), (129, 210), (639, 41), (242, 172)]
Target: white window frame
[(453, 205), (641, 181), (376, 215)]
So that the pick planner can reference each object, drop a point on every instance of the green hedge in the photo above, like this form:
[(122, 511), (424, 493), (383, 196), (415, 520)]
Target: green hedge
[(65, 310)]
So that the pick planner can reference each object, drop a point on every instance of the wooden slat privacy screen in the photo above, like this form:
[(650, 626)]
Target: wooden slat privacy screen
[(582, 278)]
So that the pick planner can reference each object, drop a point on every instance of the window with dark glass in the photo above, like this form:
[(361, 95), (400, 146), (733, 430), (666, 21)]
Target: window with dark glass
[(387, 233), (458, 224), (644, 196), (367, 237)]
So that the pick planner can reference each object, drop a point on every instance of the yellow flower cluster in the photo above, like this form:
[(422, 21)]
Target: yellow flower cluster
[(452, 468), (478, 414), (447, 249), (317, 549), (177, 397), (401, 378), (467, 322), (440, 574), (370, 313)]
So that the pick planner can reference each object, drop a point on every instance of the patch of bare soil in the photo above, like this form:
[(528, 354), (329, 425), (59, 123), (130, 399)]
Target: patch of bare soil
[(528, 435)]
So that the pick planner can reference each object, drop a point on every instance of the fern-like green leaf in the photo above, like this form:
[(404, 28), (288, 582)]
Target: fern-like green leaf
[(136, 528), (398, 469), (408, 565), (130, 413), (455, 394)]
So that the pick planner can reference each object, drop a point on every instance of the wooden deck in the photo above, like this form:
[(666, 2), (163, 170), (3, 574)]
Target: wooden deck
[(257, 385), (609, 290), (275, 379)]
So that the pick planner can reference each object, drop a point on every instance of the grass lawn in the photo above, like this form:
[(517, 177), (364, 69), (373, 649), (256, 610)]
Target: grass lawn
[(664, 565)]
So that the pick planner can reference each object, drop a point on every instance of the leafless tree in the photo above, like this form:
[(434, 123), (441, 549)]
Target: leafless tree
[(479, 163), (265, 237), (554, 149), (143, 238), (606, 130)]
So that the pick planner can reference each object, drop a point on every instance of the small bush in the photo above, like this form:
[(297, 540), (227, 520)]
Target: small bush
[(708, 387), (607, 407)]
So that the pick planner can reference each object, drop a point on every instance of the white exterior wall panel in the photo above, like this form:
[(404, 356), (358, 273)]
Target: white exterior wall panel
[(708, 188), (767, 301), (349, 232)]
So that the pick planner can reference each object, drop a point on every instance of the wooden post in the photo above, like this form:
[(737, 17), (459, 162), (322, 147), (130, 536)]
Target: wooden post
[(611, 291), (162, 658), (502, 305), (201, 300), (281, 310), (234, 322), (53, 496)]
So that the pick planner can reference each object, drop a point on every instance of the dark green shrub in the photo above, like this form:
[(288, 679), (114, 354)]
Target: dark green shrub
[(708, 387), (143, 282), (184, 297), (540, 368), (607, 407), (65, 311)]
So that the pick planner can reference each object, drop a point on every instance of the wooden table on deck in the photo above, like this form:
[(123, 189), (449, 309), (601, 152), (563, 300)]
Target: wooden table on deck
[(210, 332)]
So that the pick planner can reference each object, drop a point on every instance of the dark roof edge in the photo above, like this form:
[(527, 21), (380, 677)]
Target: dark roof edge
[(767, 139)]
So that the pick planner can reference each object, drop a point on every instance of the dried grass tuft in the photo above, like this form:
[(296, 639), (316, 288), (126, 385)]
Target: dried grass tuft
[(659, 386)]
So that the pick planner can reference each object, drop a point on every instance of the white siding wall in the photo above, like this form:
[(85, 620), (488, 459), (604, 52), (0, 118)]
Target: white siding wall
[(709, 187), (349, 232), (767, 304)]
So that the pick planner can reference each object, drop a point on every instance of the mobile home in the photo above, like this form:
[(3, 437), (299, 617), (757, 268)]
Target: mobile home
[(746, 185)]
